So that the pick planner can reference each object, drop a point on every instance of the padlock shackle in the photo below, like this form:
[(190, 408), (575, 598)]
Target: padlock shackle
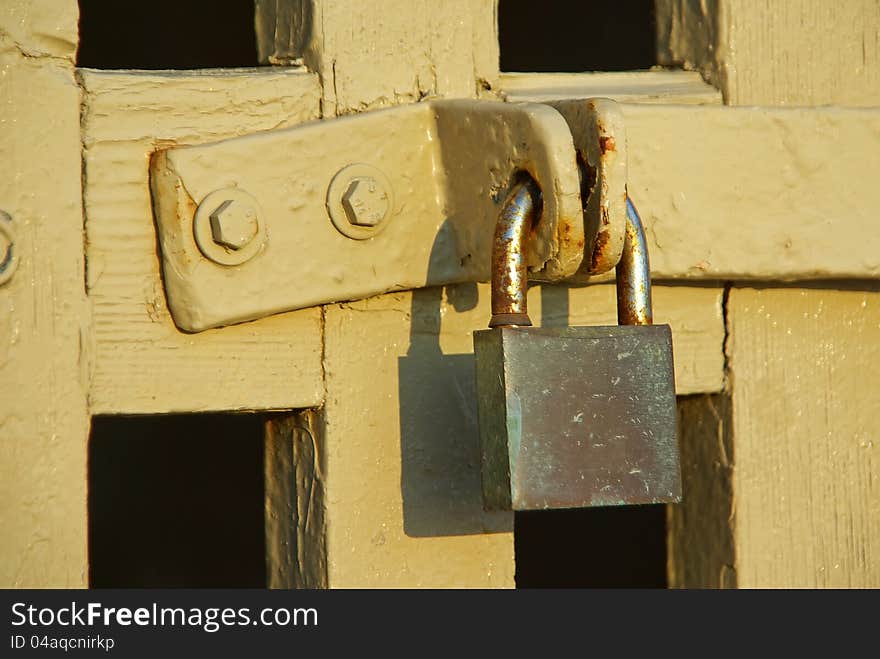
[(634, 305), (509, 272), (510, 275)]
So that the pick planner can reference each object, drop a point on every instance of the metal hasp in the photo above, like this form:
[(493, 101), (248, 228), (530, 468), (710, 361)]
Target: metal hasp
[(387, 200), (579, 416)]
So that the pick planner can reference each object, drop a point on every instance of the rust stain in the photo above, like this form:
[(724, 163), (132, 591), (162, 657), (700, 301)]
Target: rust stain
[(588, 177), (599, 249), (189, 203), (606, 144), (509, 271), (564, 232)]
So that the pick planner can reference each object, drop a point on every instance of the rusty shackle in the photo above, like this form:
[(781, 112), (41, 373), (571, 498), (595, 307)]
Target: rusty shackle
[(510, 274)]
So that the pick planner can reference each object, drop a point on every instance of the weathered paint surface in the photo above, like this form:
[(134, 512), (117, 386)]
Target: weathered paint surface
[(142, 362), (600, 139), (804, 189), (448, 165), (806, 428), (798, 52), (370, 55), (660, 86), (746, 193), (45, 339), (780, 474), (756, 193), (403, 481)]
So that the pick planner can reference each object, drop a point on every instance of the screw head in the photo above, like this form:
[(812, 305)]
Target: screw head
[(234, 224), (365, 202)]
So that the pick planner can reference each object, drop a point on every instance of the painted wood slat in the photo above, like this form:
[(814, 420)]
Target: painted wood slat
[(45, 331), (142, 362)]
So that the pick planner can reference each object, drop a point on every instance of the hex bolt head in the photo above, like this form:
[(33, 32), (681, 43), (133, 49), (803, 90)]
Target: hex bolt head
[(360, 201), (365, 202), (234, 224)]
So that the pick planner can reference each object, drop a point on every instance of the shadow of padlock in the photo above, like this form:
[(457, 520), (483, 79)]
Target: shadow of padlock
[(578, 416), (439, 443)]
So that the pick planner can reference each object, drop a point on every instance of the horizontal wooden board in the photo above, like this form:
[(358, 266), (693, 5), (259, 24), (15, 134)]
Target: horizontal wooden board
[(756, 193), (681, 87)]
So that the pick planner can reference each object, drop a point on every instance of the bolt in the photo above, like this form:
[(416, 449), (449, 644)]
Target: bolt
[(365, 202), (234, 224)]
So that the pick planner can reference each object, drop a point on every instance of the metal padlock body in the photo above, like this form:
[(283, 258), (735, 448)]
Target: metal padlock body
[(576, 417)]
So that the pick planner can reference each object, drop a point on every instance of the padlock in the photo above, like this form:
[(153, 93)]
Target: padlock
[(577, 416)]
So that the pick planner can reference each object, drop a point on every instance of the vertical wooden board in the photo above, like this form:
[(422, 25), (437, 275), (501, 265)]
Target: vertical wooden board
[(803, 52), (142, 362), (45, 334), (799, 52), (403, 492), (806, 417), (701, 551), (371, 55), (689, 34), (41, 28), (296, 555)]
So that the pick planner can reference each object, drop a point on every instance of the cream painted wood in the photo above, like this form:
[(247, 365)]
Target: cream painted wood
[(142, 362), (370, 54), (255, 365), (734, 221), (41, 28), (667, 87), (439, 162), (403, 482), (402, 485), (135, 338), (756, 193), (806, 425), (779, 481), (748, 193), (775, 187), (798, 52), (45, 335), (780, 476)]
